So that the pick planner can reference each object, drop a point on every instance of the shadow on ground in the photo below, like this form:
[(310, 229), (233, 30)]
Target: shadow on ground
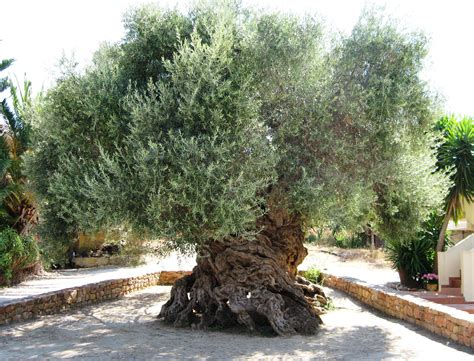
[(127, 329)]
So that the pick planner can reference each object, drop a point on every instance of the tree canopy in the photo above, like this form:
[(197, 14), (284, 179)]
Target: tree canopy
[(181, 129)]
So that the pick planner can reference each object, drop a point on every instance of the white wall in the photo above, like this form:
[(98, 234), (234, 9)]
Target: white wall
[(467, 275), (449, 262)]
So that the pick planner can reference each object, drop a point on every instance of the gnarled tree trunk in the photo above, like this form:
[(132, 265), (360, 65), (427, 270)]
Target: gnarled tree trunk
[(250, 282)]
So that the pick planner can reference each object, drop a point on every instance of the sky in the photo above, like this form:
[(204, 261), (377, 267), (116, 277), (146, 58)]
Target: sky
[(38, 33)]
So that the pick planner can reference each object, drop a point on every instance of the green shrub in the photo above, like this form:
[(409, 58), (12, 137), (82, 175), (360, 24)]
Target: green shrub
[(417, 256), (316, 235), (16, 253), (313, 275), (312, 238), (350, 239), (55, 254)]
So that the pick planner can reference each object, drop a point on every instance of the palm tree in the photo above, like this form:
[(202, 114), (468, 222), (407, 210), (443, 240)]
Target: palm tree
[(17, 208), (4, 82), (456, 156)]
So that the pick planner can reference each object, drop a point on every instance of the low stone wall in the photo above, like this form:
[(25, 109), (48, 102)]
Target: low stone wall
[(446, 321), (65, 299), (440, 319)]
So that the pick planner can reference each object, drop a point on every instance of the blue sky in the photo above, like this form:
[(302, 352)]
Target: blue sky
[(37, 33)]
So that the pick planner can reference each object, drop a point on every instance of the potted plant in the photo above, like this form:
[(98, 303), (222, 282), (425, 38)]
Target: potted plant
[(410, 259), (431, 281)]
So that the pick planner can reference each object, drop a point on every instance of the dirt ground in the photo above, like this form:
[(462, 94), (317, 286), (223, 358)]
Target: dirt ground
[(127, 329), (362, 264)]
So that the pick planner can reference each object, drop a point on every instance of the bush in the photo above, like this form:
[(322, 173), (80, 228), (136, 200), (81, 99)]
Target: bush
[(16, 254), (413, 257), (55, 254), (416, 257), (319, 236), (345, 239), (313, 275), (311, 238)]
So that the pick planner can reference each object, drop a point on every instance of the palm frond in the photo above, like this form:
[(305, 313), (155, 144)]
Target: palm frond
[(456, 157), (9, 115), (17, 207), (4, 82), (5, 63)]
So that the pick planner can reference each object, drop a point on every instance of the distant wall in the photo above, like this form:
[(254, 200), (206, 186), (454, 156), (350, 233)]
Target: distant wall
[(66, 299)]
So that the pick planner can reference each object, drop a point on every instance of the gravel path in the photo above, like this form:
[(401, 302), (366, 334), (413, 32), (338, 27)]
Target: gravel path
[(126, 329), (377, 273), (57, 280)]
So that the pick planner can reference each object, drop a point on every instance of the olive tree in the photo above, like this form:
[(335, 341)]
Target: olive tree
[(227, 132)]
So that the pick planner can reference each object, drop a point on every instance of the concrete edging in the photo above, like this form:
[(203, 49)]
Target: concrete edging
[(65, 299), (440, 319)]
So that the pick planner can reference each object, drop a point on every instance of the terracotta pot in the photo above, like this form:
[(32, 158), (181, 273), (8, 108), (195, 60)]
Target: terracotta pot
[(406, 280)]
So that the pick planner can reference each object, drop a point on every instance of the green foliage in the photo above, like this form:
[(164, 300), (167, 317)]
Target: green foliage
[(16, 253), (430, 232), (456, 158), (313, 275), (312, 238), (417, 255), (413, 256), (398, 214), (4, 82), (55, 254), (183, 129), (350, 239), (17, 208)]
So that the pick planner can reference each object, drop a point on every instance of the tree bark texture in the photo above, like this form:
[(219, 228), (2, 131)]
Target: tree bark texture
[(442, 235), (444, 228), (251, 283)]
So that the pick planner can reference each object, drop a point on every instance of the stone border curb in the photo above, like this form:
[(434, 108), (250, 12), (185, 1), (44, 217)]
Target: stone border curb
[(65, 299), (442, 320), (446, 321)]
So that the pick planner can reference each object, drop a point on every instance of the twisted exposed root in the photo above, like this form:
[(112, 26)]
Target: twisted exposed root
[(238, 283), (250, 282)]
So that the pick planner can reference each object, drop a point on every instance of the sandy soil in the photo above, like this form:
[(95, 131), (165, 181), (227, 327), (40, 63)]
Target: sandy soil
[(349, 263), (127, 329), (355, 263)]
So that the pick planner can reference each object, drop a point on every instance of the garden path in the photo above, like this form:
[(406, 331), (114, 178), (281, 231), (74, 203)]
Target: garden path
[(127, 329), (376, 273), (373, 271), (58, 280)]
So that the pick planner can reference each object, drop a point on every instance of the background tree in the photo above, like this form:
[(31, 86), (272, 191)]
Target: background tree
[(4, 82), (17, 210), (456, 158), (227, 132), (18, 253)]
